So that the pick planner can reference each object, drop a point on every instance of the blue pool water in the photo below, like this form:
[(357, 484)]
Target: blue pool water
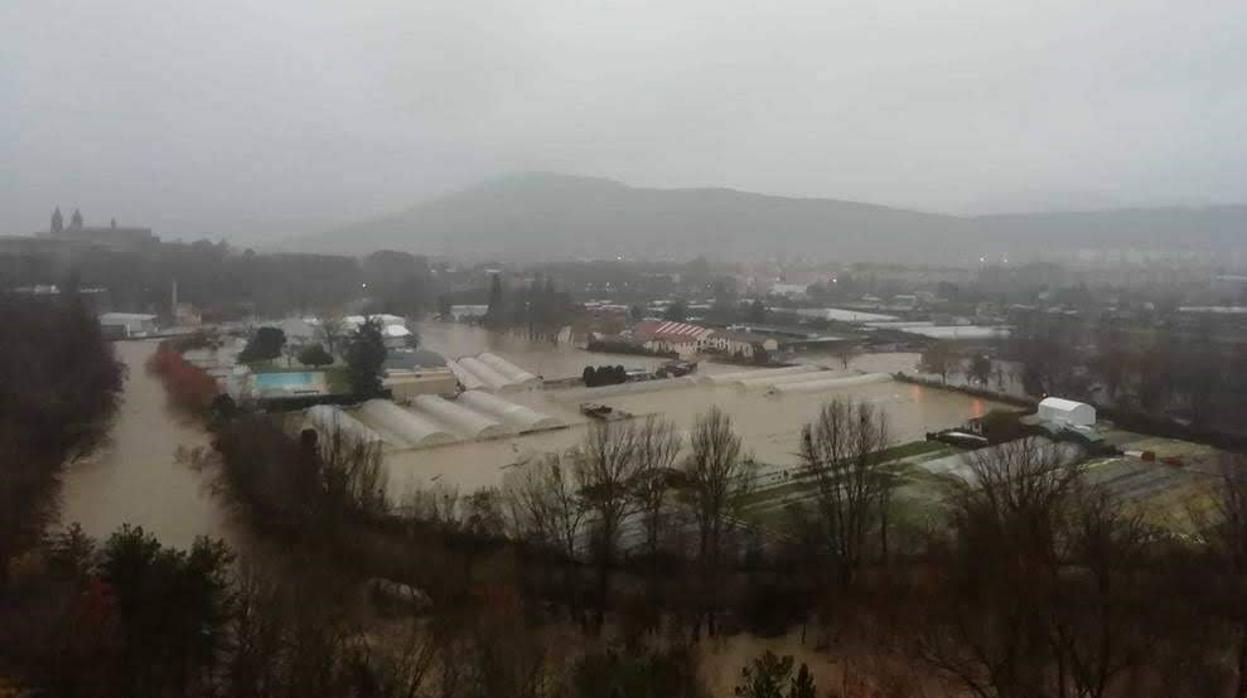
[(288, 381)]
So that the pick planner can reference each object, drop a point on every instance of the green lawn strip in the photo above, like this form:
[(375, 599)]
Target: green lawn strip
[(801, 486)]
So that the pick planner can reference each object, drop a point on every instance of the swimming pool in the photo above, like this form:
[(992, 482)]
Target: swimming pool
[(295, 380)]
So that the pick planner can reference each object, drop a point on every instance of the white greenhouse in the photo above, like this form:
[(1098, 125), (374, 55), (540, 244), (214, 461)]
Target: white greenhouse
[(1062, 411)]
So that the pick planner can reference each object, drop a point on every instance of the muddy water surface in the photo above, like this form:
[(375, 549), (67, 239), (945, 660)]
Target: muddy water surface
[(137, 477)]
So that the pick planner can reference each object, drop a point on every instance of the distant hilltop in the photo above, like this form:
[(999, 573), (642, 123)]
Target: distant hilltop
[(537, 216), (110, 236)]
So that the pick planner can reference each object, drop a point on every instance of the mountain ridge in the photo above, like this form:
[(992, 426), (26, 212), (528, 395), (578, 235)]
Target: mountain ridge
[(542, 215)]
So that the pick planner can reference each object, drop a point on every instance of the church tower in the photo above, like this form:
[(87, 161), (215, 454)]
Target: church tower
[(75, 222), (58, 223)]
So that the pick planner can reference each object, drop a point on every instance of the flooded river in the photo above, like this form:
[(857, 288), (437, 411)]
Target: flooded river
[(136, 477)]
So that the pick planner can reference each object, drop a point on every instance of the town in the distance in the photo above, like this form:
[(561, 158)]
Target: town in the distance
[(621, 475)]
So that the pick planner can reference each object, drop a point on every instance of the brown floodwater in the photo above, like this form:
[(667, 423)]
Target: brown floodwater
[(543, 358), (768, 425), (136, 477)]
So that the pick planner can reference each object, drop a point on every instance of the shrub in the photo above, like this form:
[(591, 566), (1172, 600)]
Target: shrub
[(189, 387), (265, 344), (315, 355)]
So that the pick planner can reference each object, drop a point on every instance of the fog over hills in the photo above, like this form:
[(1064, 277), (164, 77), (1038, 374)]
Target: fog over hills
[(536, 216)]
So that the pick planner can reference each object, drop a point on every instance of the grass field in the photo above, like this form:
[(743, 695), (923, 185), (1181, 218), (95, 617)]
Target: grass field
[(1168, 496)]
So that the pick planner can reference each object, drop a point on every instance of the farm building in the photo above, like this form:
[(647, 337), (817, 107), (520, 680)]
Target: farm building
[(403, 428), (741, 344), (669, 336), (1068, 412), (330, 419), (461, 419), (521, 417)]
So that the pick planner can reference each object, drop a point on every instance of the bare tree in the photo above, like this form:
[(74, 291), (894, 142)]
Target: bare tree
[(527, 506), (1009, 517), (352, 474), (980, 369), (472, 524), (1095, 629), (606, 466), (544, 504), (846, 352), (657, 446), (940, 359), (438, 505), (332, 332), (841, 451), (1226, 539), (715, 478)]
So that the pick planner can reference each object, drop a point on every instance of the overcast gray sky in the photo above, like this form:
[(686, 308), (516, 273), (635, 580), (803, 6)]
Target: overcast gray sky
[(251, 118)]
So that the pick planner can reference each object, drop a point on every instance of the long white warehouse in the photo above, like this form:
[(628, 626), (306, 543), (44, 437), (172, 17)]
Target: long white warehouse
[(725, 378), (524, 418), (416, 431), (487, 375), (459, 418), (327, 419), (831, 383), (507, 369)]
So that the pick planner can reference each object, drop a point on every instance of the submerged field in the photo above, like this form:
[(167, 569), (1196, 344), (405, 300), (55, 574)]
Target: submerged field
[(768, 424)]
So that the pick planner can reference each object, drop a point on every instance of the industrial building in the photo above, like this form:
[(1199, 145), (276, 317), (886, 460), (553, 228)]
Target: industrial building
[(679, 338), (123, 325), (406, 378)]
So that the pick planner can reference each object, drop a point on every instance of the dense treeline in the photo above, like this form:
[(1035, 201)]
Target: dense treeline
[(538, 308), (597, 571), (228, 283), (1035, 583), (220, 279), (1192, 367), (59, 384), (128, 618)]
